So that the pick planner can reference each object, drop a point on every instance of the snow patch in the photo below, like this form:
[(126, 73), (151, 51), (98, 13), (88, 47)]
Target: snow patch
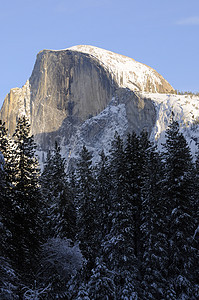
[(23, 99)]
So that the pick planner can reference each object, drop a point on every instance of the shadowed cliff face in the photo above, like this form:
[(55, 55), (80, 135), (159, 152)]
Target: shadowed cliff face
[(66, 84), (125, 113)]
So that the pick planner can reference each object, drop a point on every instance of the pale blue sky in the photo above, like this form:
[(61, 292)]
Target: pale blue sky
[(161, 34)]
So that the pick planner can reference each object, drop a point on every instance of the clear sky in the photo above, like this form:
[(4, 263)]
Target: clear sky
[(161, 34)]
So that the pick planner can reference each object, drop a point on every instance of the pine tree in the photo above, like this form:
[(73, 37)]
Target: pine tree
[(101, 285), (60, 260), (86, 208), (4, 141), (8, 278), (153, 238), (82, 294), (26, 219), (118, 245), (129, 290), (3, 208), (196, 190), (6, 173), (180, 221), (133, 182), (103, 198), (60, 210)]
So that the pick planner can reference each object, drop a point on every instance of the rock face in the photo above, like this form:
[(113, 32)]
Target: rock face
[(127, 72), (125, 113), (16, 103), (69, 89), (67, 84)]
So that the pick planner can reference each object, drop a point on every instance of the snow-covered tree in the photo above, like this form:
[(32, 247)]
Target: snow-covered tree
[(103, 198), (82, 293), (6, 173), (26, 222), (35, 293), (4, 141), (101, 284), (3, 207), (180, 221), (153, 210), (61, 259), (129, 290), (60, 210), (8, 280), (133, 183), (118, 245), (86, 207)]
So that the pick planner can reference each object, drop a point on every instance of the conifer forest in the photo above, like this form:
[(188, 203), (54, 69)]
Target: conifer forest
[(125, 227)]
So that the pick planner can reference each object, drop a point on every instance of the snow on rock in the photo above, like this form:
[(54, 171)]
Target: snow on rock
[(23, 98), (97, 132), (127, 72), (186, 112)]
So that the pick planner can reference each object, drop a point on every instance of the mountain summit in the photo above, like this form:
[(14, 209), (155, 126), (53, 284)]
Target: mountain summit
[(127, 72), (83, 94)]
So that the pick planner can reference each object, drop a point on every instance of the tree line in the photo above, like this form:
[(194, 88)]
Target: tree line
[(125, 227)]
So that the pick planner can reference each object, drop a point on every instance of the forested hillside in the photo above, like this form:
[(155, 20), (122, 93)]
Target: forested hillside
[(123, 228)]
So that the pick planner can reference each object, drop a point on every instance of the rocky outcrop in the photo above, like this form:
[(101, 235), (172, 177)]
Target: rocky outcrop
[(140, 111), (16, 103), (69, 87)]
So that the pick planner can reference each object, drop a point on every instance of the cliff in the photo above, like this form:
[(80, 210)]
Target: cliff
[(70, 88)]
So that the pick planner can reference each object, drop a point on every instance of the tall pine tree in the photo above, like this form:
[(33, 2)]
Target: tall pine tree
[(103, 198), (180, 221), (86, 208), (118, 246), (58, 197), (25, 214), (152, 216)]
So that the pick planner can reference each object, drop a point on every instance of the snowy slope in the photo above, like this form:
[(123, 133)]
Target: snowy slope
[(113, 118), (98, 132), (127, 72)]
